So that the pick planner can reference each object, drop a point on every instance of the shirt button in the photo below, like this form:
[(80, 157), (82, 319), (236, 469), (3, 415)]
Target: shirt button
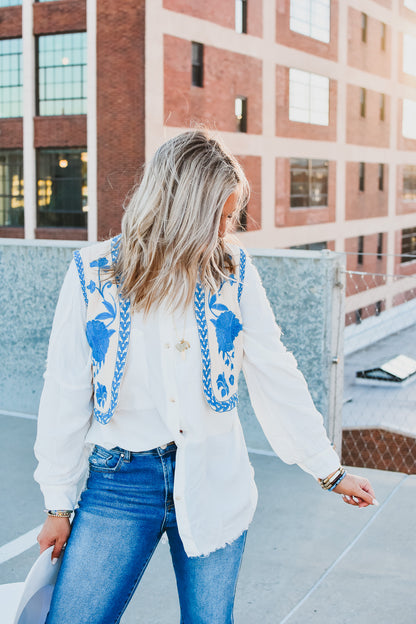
[(167, 345), (178, 498), (172, 400)]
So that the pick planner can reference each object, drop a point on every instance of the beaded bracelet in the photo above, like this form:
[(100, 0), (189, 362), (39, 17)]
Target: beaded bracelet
[(59, 513)]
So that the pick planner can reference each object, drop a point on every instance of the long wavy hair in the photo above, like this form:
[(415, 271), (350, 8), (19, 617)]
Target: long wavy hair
[(169, 233)]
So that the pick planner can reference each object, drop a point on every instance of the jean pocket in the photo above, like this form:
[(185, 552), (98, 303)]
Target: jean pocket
[(104, 460)]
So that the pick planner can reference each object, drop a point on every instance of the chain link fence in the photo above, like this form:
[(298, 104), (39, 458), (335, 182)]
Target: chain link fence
[(379, 408)]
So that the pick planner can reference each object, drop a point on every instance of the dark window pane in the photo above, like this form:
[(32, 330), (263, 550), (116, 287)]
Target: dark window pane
[(62, 71), (361, 175), (62, 187), (308, 183), (11, 188), (241, 113), (360, 257), (241, 16), (197, 64), (409, 183), (408, 245)]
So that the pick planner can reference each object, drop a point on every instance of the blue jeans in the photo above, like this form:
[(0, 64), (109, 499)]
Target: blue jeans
[(125, 508)]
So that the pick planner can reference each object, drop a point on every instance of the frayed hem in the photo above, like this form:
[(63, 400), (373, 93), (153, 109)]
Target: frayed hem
[(228, 542)]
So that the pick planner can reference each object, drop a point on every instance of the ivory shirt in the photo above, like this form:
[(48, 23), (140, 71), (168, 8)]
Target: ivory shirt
[(161, 399)]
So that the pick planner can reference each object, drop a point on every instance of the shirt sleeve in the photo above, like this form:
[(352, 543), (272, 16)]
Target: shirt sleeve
[(66, 402), (277, 389)]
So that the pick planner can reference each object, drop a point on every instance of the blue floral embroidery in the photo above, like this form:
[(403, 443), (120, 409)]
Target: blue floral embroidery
[(98, 332), (227, 328), (101, 394), (98, 337), (222, 385)]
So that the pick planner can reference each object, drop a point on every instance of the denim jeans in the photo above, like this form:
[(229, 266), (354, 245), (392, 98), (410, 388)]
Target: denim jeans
[(125, 508)]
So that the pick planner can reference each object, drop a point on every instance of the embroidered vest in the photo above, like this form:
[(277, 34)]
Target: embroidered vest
[(217, 315)]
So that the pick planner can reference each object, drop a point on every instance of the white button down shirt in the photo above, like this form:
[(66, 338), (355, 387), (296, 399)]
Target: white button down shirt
[(161, 399)]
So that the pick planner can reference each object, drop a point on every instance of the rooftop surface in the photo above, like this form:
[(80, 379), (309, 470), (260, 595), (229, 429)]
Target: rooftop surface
[(309, 557)]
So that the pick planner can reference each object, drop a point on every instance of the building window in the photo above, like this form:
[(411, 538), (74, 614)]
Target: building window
[(409, 55), (360, 251), (382, 106), (241, 113), (380, 246), (361, 176), (363, 94), (11, 78), (408, 245), (410, 4), (308, 183), (197, 64), (311, 18), (381, 177), (62, 187), (11, 188), (62, 74), (378, 308), (358, 315), (241, 16), (311, 246), (409, 183), (364, 27), (383, 36), (409, 119), (308, 97)]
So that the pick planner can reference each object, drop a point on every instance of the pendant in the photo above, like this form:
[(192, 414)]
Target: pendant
[(182, 346)]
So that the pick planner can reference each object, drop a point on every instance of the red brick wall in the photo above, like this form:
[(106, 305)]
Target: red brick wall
[(287, 37), (59, 17), (368, 203), (10, 22), (220, 12), (11, 133), (252, 169), (368, 130), (297, 129), (61, 233), (286, 216), (120, 106), (368, 56), (61, 131), (12, 232), (226, 75)]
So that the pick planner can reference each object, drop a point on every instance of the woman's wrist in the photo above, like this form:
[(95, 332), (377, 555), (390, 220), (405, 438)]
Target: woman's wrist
[(331, 481)]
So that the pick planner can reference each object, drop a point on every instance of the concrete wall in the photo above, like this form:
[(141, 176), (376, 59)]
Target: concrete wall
[(302, 287)]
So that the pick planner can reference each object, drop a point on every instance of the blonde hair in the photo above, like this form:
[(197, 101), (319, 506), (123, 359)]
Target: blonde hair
[(169, 234)]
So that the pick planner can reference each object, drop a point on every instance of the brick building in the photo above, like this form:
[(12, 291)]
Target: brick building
[(317, 98)]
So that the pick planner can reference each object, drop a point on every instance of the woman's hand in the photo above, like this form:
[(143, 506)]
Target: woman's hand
[(356, 491), (55, 532)]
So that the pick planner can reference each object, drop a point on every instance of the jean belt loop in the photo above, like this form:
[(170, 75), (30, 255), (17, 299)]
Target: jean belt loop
[(127, 456)]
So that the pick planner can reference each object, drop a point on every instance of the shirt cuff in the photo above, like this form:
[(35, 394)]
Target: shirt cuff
[(322, 464), (58, 497)]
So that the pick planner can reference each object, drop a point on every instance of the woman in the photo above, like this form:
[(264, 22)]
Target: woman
[(140, 320)]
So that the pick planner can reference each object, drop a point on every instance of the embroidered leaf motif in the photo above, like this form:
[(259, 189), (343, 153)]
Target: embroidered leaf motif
[(100, 263), (220, 307), (110, 308), (98, 337), (91, 286), (231, 380), (101, 394), (103, 316), (222, 385)]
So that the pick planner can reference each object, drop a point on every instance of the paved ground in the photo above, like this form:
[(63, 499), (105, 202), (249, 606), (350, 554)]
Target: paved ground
[(309, 557)]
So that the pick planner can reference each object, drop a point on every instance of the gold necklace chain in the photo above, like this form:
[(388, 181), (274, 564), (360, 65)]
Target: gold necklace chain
[(182, 345)]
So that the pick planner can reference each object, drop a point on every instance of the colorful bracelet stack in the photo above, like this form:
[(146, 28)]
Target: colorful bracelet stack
[(331, 482), (59, 513)]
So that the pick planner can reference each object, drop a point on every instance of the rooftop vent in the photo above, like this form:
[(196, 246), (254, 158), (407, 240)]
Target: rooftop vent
[(400, 370)]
